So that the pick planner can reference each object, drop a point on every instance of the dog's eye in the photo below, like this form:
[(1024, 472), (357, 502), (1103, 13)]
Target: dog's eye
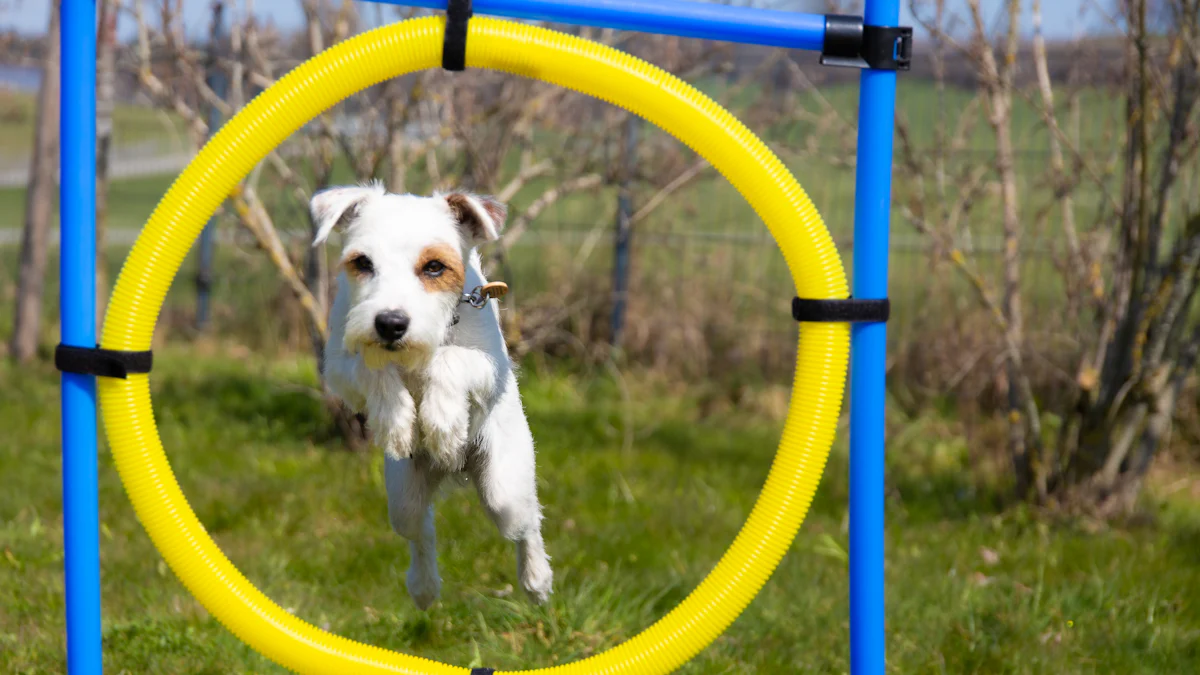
[(362, 264), (433, 268)]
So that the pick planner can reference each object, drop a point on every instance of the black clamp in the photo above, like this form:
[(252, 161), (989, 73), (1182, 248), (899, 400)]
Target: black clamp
[(850, 44), (101, 362), (849, 310), (454, 45), (204, 280)]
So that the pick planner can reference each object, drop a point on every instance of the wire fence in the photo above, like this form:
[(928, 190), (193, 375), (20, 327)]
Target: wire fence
[(704, 247)]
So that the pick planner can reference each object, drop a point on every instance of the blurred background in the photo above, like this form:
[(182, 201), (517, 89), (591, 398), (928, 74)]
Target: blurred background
[(1043, 494)]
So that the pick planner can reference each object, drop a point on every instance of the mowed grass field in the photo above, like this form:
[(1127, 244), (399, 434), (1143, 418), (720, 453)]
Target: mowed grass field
[(642, 494)]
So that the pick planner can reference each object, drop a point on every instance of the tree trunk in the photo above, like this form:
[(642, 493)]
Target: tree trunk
[(316, 271), (1150, 337), (1024, 424), (316, 268), (106, 42), (623, 234), (215, 79), (39, 203)]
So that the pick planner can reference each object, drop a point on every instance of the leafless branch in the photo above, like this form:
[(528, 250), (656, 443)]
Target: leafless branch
[(547, 198)]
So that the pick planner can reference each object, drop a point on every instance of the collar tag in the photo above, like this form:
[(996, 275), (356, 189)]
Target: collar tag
[(479, 295)]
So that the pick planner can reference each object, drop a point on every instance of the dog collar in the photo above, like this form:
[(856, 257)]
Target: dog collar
[(479, 296)]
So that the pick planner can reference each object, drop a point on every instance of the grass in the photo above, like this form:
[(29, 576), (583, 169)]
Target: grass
[(631, 528), (130, 202)]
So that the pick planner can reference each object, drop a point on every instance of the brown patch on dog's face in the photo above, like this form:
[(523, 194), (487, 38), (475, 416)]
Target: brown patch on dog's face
[(358, 265), (440, 269)]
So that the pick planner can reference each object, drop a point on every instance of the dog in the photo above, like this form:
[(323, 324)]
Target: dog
[(431, 373)]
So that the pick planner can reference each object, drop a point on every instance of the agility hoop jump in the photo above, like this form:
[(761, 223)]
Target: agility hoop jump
[(822, 308)]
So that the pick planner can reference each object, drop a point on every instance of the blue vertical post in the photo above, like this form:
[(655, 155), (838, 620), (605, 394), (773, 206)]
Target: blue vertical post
[(872, 205), (77, 303)]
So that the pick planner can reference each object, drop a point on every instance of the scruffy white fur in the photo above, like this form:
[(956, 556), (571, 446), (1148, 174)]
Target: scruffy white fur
[(443, 399)]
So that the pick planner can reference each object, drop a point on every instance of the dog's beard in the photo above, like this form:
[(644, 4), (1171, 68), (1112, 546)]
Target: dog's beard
[(412, 352), (377, 356)]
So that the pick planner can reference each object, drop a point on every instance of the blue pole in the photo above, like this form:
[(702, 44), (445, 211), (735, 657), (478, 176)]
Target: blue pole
[(77, 279), (868, 344), (709, 21)]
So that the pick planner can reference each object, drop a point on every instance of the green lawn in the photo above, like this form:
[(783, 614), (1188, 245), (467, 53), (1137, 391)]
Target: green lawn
[(631, 530)]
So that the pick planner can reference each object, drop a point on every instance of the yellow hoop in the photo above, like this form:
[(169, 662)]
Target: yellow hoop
[(532, 52)]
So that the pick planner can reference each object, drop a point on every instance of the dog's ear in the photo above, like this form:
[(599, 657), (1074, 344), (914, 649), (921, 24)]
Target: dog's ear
[(335, 207), (481, 218)]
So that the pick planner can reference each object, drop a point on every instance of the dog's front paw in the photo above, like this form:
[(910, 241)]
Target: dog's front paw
[(424, 587), (391, 421), (445, 420), (537, 579)]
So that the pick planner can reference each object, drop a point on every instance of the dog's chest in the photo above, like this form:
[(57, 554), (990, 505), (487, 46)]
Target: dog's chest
[(415, 383)]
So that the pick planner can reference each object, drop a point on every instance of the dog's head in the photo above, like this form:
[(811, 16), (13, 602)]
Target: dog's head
[(405, 258)]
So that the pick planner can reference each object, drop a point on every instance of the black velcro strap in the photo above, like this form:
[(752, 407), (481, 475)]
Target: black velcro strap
[(454, 45), (101, 362), (850, 310), (204, 280), (482, 671)]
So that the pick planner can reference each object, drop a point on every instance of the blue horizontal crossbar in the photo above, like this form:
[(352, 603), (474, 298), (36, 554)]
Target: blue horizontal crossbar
[(666, 17)]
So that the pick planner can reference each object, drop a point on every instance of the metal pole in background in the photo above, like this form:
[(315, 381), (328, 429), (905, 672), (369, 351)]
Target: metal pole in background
[(685, 18), (624, 234), (217, 83), (868, 344), (77, 279)]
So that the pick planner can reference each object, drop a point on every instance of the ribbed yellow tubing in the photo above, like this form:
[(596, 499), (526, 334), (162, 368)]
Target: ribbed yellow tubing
[(531, 52)]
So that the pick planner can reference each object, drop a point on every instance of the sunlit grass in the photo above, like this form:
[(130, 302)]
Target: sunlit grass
[(631, 529)]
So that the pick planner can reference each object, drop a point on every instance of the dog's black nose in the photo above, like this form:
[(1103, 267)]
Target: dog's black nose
[(391, 326)]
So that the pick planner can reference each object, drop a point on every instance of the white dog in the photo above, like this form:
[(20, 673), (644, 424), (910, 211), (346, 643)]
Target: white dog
[(430, 371)]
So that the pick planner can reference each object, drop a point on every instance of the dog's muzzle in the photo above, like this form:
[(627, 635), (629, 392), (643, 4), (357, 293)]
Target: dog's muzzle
[(391, 326)]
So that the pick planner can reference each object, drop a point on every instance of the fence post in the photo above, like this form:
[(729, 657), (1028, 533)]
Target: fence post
[(215, 78), (624, 234)]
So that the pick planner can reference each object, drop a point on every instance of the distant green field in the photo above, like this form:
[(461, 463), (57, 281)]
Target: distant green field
[(710, 204), (706, 234), (139, 126)]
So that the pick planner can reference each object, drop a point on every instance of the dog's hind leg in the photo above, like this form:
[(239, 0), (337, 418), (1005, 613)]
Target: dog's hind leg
[(505, 478), (411, 484)]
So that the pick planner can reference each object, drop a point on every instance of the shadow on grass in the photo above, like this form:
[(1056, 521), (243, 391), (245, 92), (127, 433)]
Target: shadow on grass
[(1184, 540), (926, 480), (261, 405)]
